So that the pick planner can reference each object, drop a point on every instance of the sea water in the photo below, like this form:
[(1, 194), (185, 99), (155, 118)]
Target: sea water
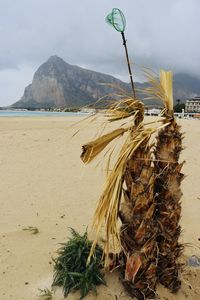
[(26, 113)]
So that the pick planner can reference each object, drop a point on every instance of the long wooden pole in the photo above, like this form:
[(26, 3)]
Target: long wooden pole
[(128, 62)]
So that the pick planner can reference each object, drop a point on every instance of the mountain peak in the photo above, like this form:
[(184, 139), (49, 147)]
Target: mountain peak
[(55, 58), (59, 84)]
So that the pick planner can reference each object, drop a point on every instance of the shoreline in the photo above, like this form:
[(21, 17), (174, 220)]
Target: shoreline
[(37, 113)]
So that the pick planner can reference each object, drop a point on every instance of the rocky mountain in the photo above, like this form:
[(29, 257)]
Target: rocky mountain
[(59, 84), (186, 86)]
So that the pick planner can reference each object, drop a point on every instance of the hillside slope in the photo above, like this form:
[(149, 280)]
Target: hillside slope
[(59, 84)]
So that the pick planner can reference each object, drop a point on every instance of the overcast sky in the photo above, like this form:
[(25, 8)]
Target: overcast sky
[(160, 34)]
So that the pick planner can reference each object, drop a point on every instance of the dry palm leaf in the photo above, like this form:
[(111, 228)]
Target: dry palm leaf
[(120, 109), (125, 108), (136, 237), (160, 89), (107, 210), (92, 149), (106, 213)]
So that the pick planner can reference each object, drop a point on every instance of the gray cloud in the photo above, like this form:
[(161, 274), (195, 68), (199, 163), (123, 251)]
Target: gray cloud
[(160, 34)]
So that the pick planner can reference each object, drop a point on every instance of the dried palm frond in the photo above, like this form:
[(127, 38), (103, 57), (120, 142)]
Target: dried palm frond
[(126, 108), (166, 81), (92, 149), (122, 104), (160, 88), (107, 209), (133, 169)]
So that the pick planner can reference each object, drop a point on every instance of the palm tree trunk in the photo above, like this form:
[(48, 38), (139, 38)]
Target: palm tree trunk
[(138, 231), (168, 206)]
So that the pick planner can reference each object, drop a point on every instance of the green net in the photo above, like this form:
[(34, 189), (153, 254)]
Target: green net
[(116, 19)]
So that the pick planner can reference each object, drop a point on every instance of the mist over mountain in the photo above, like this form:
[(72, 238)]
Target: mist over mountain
[(59, 84)]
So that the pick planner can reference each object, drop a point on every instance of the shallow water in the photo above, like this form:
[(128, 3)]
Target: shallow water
[(21, 113)]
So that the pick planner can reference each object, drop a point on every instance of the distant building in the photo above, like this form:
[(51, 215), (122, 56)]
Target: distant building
[(152, 112), (193, 105)]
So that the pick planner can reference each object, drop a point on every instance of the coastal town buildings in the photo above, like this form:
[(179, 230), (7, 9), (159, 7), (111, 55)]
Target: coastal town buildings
[(193, 105)]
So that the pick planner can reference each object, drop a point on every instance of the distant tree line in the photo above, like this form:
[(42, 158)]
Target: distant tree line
[(179, 106)]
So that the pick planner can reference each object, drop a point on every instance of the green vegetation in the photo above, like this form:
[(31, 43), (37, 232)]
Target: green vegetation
[(179, 106), (71, 270)]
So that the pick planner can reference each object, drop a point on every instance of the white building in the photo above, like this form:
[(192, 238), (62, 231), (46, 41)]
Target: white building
[(193, 105), (153, 112)]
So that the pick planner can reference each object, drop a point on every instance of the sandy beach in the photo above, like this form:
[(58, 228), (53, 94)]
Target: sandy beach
[(45, 184)]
